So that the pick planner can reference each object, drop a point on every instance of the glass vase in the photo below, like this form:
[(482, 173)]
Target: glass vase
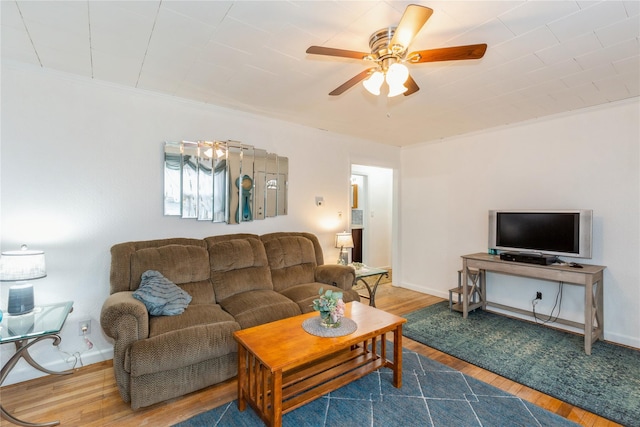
[(327, 321)]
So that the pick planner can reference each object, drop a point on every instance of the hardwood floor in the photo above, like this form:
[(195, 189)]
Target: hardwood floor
[(89, 397)]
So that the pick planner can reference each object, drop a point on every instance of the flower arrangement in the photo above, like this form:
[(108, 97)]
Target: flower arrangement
[(331, 307)]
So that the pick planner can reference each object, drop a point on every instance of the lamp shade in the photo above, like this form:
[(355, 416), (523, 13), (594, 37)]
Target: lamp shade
[(374, 82), (395, 90), (344, 240), (22, 265), (397, 74)]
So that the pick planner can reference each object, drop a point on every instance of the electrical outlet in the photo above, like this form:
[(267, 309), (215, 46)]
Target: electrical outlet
[(538, 295), (84, 327)]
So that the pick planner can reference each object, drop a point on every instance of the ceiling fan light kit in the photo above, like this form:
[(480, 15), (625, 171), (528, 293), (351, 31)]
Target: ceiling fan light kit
[(389, 47), (395, 76), (374, 82), (396, 90)]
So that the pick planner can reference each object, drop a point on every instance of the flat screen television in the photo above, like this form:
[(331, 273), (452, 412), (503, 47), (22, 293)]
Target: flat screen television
[(547, 232)]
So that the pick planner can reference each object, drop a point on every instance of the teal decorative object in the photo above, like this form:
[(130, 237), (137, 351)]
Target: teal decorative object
[(246, 188)]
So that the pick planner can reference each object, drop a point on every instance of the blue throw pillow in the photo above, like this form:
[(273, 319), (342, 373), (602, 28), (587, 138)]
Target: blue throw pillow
[(160, 295)]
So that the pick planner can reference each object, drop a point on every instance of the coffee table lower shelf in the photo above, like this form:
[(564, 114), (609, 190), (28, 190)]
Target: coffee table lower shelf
[(296, 388)]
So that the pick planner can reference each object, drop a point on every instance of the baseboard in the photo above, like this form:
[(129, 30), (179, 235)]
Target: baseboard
[(622, 339), (423, 290), (24, 372)]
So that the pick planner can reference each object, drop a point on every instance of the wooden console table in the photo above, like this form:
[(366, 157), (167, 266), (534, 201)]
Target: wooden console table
[(590, 276)]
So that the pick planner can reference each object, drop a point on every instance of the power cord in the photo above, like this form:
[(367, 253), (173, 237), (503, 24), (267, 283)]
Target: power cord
[(86, 338), (557, 303), (74, 358)]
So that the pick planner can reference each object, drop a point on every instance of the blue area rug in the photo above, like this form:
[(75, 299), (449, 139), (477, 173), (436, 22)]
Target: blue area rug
[(432, 394), (606, 383)]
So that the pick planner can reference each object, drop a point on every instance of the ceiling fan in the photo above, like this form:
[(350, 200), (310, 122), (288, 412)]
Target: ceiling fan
[(389, 51)]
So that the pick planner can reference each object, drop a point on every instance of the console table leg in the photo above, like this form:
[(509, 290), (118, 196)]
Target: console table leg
[(594, 307), (588, 316), (483, 287), (600, 308), (465, 295)]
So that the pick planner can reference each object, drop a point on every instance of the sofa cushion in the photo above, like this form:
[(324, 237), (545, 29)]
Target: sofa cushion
[(185, 265), (160, 295), (194, 315), (292, 260), (183, 347), (120, 276), (304, 294), (259, 306), (238, 266)]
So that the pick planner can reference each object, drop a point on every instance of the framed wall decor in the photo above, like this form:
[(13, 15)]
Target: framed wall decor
[(354, 196), (224, 181), (357, 218)]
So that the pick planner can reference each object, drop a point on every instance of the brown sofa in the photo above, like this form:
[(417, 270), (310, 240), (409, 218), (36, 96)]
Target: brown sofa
[(236, 281)]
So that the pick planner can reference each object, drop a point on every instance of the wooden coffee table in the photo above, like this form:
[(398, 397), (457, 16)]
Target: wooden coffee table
[(282, 367)]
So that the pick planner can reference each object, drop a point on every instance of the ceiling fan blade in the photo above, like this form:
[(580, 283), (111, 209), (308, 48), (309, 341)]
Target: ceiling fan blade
[(411, 85), (329, 51), (473, 51), (412, 20), (351, 82)]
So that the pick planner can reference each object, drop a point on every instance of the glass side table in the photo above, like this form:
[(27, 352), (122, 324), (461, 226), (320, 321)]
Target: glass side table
[(44, 322), (364, 272)]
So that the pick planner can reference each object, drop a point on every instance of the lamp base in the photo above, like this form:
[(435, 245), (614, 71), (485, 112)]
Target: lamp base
[(343, 258), (20, 299)]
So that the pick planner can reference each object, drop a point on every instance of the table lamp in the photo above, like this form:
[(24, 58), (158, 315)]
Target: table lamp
[(344, 241), (20, 266)]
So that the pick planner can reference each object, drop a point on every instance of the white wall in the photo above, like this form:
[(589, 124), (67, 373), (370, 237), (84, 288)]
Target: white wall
[(589, 160), (81, 170)]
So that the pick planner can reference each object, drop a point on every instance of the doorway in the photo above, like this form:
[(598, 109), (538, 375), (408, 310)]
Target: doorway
[(372, 215)]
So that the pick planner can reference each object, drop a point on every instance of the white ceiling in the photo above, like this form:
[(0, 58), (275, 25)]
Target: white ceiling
[(543, 57)]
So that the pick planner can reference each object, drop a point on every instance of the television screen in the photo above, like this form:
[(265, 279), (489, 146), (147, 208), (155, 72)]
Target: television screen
[(547, 232), (557, 232)]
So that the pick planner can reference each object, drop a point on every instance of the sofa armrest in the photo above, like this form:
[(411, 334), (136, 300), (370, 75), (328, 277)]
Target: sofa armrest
[(342, 276), (124, 318)]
